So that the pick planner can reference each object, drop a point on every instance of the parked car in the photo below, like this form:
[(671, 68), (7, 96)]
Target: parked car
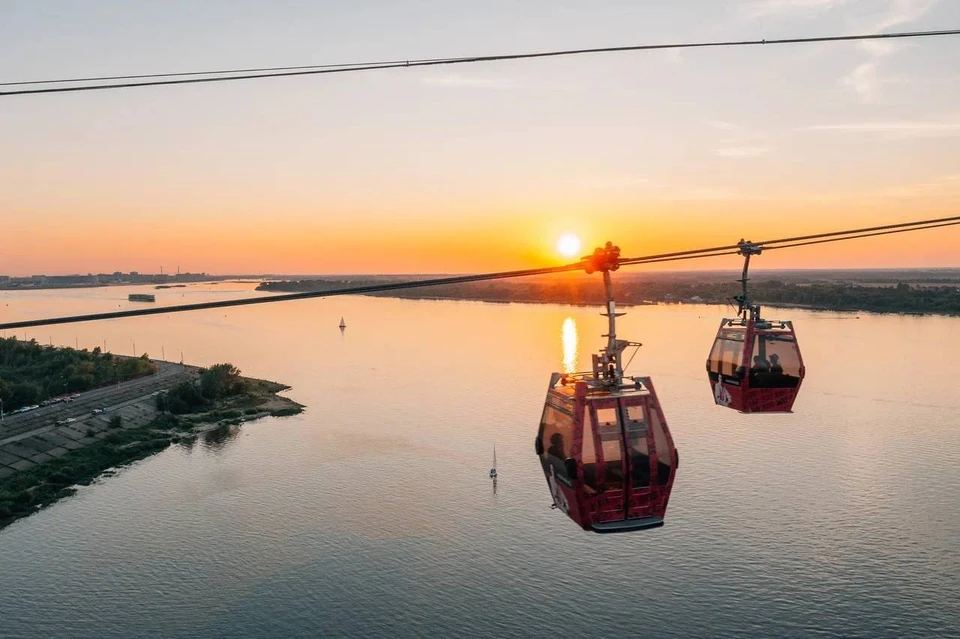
[(97, 411)]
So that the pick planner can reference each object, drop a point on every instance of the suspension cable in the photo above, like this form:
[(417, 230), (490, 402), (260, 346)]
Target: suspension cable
[(166, 80), (804, 240), (857, 236)]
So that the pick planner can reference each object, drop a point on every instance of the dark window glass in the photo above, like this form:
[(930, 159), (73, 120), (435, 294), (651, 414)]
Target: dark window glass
[(636, 429), (662, 446), (608, 426), (727, 353), (776, 361), (557, 438), (589, 452)]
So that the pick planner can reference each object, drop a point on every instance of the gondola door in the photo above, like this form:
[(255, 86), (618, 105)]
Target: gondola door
[(635, 463), (612, 489)]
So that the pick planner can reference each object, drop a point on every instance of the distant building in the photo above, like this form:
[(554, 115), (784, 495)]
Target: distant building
[(70, 280)]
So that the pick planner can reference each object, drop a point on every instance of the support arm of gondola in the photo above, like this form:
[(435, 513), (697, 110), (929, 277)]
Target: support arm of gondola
[(746, 308), (608, 365)]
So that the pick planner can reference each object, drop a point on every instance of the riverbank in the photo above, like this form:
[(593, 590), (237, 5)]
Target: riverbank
[(915, 298), (48, 465)]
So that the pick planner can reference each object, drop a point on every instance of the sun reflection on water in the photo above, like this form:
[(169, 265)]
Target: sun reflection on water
[(571, 345)]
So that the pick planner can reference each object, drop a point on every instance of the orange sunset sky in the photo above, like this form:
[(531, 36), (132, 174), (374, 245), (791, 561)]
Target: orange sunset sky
[(474, 167)]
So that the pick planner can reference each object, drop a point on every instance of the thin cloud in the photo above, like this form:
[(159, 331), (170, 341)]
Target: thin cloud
[(865, 79), (893, 129), (779, 7), (458, 80), (743, 152), (740, 142)]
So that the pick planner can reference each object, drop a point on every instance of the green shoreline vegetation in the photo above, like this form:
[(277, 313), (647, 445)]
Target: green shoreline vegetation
[(31, 373), (925, 295), (209, 408)]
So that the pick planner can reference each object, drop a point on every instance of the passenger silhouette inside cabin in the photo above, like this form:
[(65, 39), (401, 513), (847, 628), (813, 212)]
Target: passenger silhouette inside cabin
[(556, 446), (775, 366), (760, 365)]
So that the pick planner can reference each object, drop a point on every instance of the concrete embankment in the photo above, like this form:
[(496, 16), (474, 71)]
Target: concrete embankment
[(52, 431), (30, 439)]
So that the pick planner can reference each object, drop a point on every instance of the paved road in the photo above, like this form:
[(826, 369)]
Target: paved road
[(106, 397)]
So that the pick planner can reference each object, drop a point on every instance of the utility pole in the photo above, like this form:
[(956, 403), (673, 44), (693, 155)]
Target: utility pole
[(163, 354), (134, 348), (1, 410)]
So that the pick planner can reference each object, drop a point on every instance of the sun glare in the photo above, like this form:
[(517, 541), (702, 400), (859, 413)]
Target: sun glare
[(568, 245)]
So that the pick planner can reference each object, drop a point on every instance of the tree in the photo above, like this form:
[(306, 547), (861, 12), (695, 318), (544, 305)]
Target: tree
[(24, 393), (220, 380)]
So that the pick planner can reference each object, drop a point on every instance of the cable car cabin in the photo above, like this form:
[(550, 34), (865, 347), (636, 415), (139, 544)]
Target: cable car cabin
[(607, 453), (755, 366)]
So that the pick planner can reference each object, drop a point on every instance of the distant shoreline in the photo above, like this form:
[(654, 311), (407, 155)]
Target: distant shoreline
[(820, 309), (901, 299)]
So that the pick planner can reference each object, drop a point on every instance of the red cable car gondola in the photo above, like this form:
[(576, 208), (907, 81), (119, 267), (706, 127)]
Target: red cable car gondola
[(755, 364), (603, 441)]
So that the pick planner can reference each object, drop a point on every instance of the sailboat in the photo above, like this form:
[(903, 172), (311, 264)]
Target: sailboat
[(493, 471), (343, 324)]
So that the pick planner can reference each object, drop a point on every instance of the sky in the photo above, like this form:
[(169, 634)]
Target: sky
[(472, 167)]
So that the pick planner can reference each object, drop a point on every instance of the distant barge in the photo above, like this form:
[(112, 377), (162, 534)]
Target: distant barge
[(141, 297)]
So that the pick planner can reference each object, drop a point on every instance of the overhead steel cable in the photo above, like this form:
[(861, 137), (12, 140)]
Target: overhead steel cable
[(185, 74), (858, 236), (943, 221), (266, 72), (771, 244), (803, 240)]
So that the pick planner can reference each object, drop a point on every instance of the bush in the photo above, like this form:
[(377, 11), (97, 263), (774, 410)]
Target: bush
[(116, 421), (184, 398), (221, 380)]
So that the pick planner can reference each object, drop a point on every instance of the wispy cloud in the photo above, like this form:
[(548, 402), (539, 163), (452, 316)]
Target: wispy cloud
[(897, 129), (865, 79), (763, 8), (740, 142), (743, 152), (458, 80)]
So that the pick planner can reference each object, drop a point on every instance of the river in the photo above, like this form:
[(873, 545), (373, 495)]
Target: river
[(371, 513)]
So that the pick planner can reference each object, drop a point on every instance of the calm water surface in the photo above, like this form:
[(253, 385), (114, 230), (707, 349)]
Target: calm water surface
[(371, 514)]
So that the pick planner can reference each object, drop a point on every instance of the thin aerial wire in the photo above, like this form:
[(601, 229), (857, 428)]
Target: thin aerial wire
[(769, 244), (857, 236), (431, 62), (887, 229), (944, 221), (185, 74)]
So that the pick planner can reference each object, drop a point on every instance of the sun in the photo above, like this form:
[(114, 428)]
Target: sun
[(568, 245)]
